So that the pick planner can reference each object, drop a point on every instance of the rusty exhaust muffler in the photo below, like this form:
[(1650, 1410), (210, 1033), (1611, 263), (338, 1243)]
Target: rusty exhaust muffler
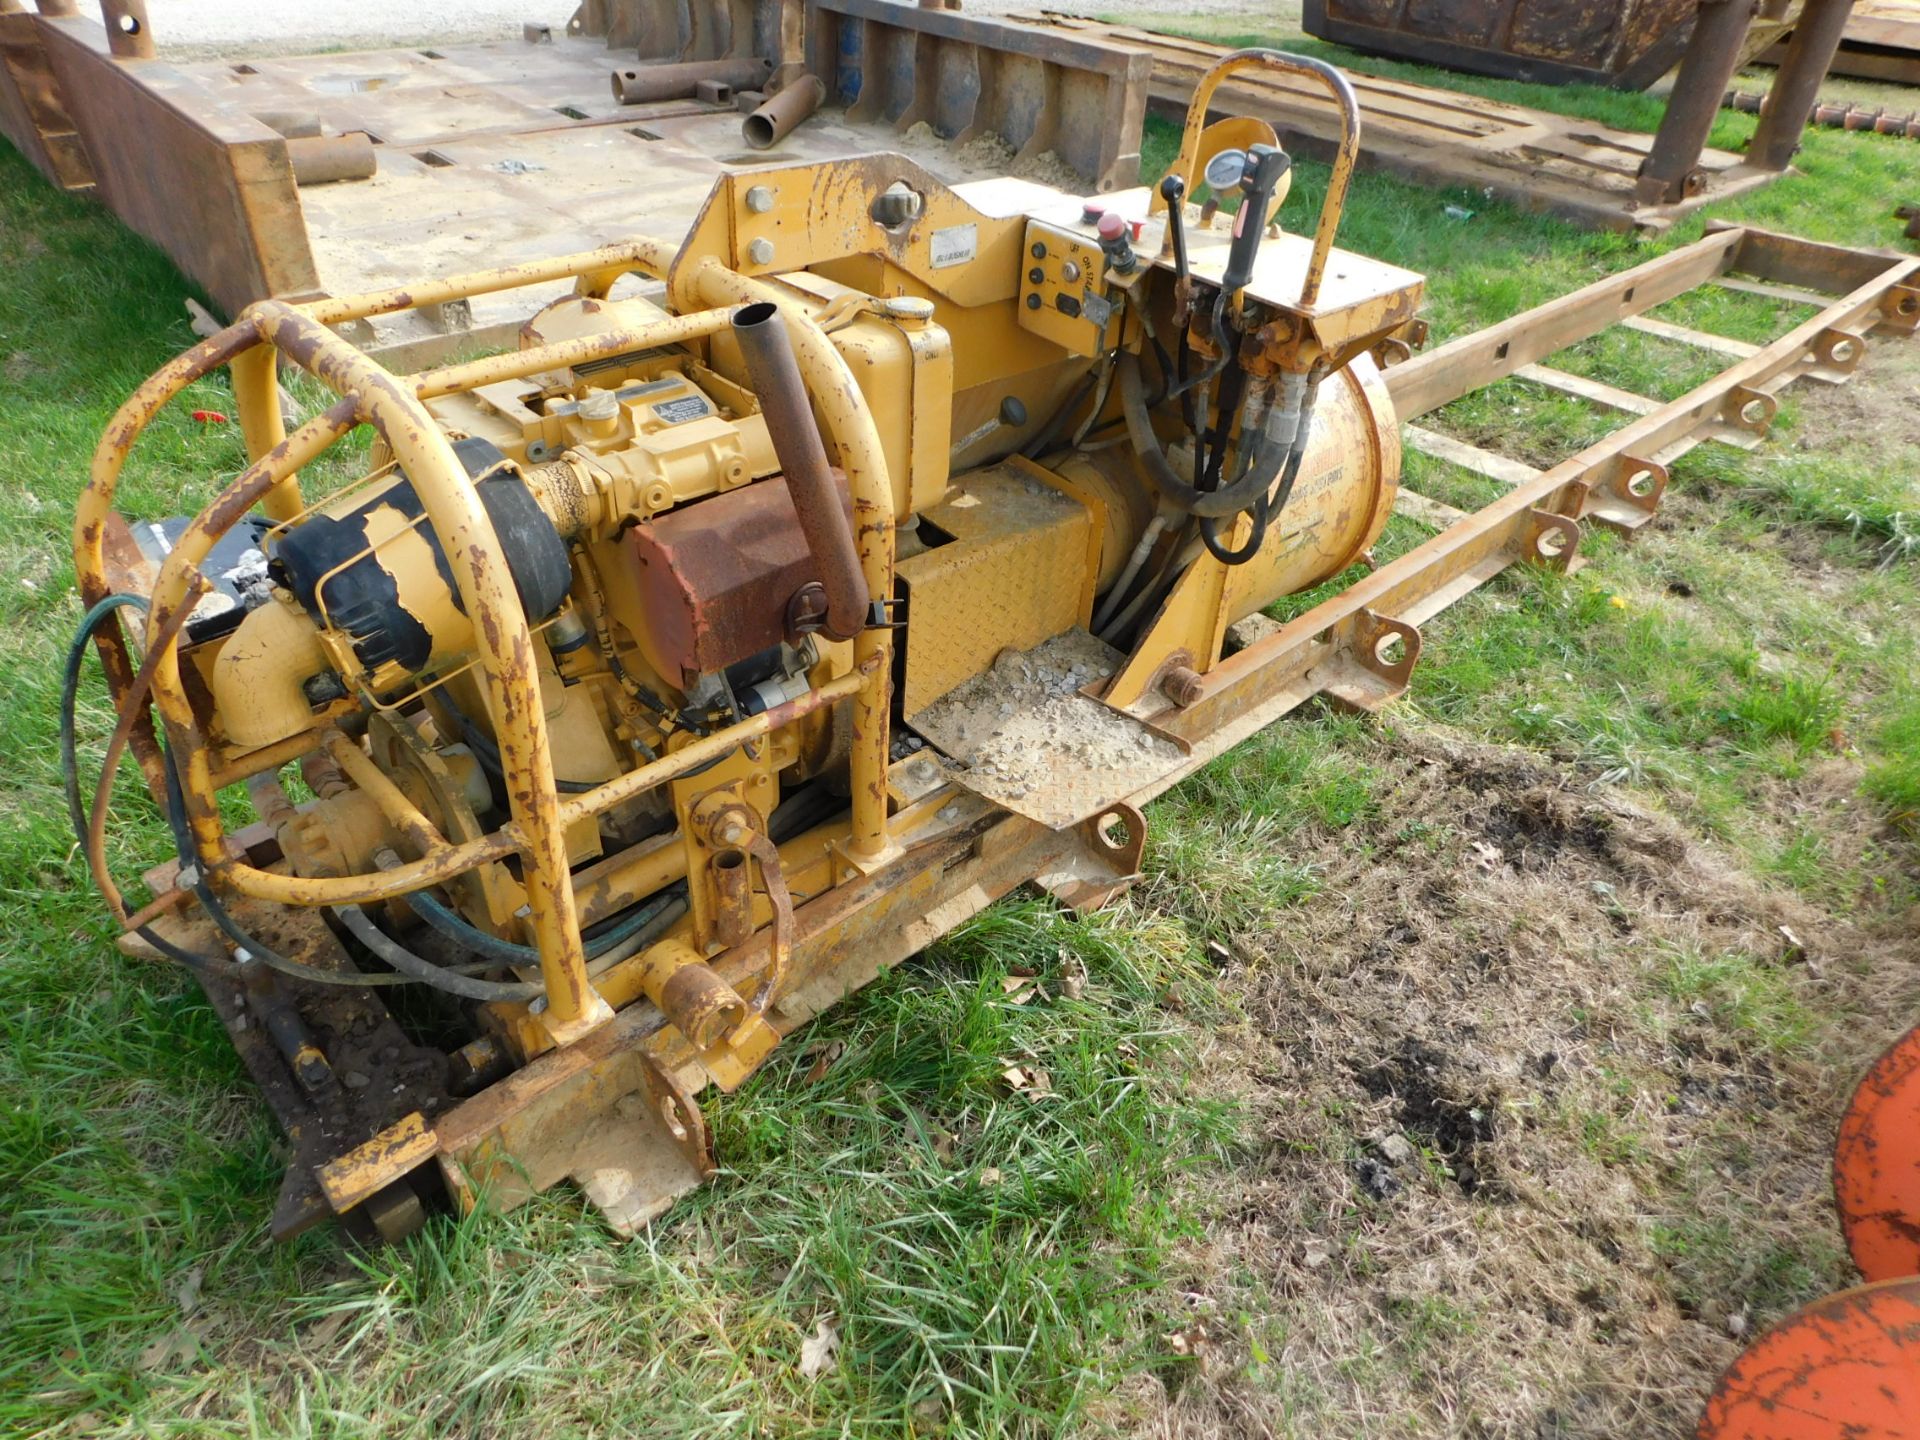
[(640, 84), (774, 121), (775, 376)]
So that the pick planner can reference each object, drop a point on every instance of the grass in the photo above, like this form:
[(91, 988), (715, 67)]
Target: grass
[(994, 1264)]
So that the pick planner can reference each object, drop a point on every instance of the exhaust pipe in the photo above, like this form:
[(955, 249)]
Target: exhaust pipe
[(775, 376), (774, 121), (641, 84)]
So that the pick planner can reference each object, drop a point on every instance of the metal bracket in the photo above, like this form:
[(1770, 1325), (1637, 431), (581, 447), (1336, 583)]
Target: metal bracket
[(1552, 541), (1376, 665), (1104, 863)]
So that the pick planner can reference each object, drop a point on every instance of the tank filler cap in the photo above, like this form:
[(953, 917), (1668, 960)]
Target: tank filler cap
[(907, 307)]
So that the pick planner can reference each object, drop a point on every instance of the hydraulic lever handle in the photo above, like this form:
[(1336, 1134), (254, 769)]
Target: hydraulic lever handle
[(1266, 166), (1173, 190), (1344, 157)]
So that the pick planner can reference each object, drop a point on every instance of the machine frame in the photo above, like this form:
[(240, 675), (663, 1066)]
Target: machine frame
[(919, 851)]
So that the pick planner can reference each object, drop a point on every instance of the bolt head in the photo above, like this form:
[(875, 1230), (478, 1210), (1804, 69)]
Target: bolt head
[(759, 199), (760, 252)]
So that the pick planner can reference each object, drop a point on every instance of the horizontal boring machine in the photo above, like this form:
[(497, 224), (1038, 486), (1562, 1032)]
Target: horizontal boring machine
[(785, 597)]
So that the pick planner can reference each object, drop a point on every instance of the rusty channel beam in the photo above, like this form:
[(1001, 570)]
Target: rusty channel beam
[(1360, 647), (542, 1123)]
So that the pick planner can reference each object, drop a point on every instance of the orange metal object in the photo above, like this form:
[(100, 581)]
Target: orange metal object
[(1845, 1368), (1876, 1167)]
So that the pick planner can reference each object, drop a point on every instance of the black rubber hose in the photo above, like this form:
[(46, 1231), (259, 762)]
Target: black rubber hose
[(70, 762), (508, 952), (1218, 504), (360, 925), (1216, 547)]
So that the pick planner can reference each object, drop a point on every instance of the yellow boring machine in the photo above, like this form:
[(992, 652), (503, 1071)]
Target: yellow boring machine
[(788, 595)]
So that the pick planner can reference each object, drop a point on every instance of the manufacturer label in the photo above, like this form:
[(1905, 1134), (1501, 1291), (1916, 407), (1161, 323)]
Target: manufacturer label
[(954, 245), (687, 407)]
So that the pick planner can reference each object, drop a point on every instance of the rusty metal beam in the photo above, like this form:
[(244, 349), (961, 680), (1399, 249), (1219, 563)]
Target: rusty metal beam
[(1574, 168), (1040, 90)]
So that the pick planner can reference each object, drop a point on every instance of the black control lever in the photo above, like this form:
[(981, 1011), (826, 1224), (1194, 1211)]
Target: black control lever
[(1266, 165), (1173, 190)]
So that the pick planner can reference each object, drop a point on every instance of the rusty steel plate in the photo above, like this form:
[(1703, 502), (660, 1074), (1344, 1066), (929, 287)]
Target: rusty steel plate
[(1845, 1368), (1628, 44), (1876, 1165)]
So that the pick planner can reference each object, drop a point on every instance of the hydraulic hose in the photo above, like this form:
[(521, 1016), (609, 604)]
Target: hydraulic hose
[(1217, 504), (362, 928), (70, 761), (611, 943), (1117, 592)]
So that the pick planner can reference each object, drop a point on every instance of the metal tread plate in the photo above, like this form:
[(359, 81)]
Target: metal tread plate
[(1024, 735)]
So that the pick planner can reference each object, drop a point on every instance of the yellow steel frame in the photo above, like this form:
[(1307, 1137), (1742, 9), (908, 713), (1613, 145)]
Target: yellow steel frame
[(393, 405)]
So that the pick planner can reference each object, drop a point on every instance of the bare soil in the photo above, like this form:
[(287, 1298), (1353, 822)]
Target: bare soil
[(1492, 1131), (1528, 1168)]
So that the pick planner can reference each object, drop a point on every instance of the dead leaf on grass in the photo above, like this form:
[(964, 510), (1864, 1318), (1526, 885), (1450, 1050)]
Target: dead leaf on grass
[(1019, 989), (1487, 854), (817, 1351), (823, 1059), (1191, 1342), (1073, 977), (186, 1292), (1028, 1080), (180, 1344), (323, 1330)]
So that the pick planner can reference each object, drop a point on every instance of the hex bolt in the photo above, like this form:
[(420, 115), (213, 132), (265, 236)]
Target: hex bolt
[(759, 199), (760, 252), (1183, 685)]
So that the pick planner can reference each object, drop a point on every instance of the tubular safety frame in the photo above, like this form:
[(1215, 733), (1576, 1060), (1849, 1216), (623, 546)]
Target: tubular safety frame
[(393, 405), (1346, 153)]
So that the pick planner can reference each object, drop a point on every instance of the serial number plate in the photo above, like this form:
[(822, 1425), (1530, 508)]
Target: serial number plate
[(954, 245), (687, 407)]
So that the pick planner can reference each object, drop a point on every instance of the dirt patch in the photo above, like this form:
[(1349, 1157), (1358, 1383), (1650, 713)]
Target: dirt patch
[(1544, 1126), (1879, 409)]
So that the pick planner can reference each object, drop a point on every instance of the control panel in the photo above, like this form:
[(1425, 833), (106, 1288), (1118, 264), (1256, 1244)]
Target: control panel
[(1063, 288)]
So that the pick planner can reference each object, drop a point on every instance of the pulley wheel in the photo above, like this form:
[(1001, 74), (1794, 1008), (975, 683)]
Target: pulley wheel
[(1876, 1165), (1845, 1368)]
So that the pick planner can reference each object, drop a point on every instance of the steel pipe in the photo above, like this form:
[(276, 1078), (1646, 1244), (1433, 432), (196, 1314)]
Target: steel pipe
[(775, 377), (324, 159), (1671, 170), (129, 37), (777, 117), (646, 255), (642, 84), (1796, 84)]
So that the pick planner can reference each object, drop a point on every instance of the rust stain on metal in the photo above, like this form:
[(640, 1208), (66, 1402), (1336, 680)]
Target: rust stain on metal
[(1844, 1367), (1876, 1165)]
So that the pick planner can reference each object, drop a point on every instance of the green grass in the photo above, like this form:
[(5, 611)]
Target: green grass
[(994, 1265), (1894, 778)]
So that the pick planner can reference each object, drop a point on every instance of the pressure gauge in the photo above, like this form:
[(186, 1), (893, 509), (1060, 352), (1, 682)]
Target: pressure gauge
[(1226, 170)]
